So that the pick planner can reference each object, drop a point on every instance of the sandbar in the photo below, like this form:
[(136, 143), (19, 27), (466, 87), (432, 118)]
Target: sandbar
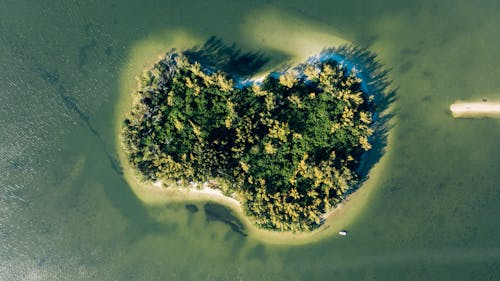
[(475, 109)]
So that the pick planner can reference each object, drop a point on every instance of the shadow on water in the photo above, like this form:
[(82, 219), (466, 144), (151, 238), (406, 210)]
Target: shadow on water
[(191, 208), (215, 54), (378, 84), (216, 212)]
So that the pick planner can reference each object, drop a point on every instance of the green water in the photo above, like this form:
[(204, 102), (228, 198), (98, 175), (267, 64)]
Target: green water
[(66, 213)]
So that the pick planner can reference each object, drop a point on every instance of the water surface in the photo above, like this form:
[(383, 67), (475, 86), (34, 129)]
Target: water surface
[(67, 213)]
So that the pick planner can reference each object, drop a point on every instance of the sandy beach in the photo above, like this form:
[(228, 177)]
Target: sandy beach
[(475, 109), (339, 218), (205, 191)]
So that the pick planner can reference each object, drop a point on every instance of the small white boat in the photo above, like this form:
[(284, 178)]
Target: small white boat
[(343, 233)]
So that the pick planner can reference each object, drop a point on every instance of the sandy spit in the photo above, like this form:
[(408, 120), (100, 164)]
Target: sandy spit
[(475, 109)]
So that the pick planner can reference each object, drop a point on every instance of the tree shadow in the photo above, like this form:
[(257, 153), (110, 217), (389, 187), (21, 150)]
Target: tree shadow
[(378, 84), (217, 55)]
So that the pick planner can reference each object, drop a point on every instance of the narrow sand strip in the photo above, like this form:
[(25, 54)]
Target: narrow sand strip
[(475, 109), (205, 191)]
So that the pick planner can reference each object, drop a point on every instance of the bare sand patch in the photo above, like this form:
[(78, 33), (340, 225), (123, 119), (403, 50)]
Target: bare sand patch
[(475, 109)]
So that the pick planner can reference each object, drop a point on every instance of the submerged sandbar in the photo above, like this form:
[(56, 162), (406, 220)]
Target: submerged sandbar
[(475, 109)]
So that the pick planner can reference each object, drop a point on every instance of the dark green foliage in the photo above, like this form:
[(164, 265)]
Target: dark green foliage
[(288, 148)]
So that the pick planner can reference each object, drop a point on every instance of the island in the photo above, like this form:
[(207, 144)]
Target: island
[(287, 148)]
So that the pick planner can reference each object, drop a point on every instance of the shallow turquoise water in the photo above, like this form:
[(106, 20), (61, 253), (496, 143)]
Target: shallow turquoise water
[(67, 214)]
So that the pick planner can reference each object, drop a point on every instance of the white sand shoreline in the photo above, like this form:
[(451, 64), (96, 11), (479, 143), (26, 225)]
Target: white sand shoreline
[(475, 109), (205, 191), (212, 193)]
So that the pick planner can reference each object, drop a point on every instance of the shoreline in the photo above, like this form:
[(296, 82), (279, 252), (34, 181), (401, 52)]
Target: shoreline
[(475, 109), (335, 220), (208, 192)]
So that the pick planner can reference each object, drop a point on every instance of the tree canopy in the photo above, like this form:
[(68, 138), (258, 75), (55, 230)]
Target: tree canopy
[(287, 147)]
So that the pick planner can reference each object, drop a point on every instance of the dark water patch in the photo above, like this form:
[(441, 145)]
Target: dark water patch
[(427, 98), (405, 67), (51, 78), (42, 261), (414, 50), (87, 28), (115, 164), (368, 40), (71, 104), (16, 165), (83, 54), (216, 212), (192, 208), (173, 207), (5, 232), (98, 42), (257, 253), (427, 74), (236, 243), (108, 51), (410, 51)]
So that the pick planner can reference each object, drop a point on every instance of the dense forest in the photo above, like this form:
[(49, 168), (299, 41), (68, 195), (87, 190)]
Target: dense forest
[(287, 147)]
